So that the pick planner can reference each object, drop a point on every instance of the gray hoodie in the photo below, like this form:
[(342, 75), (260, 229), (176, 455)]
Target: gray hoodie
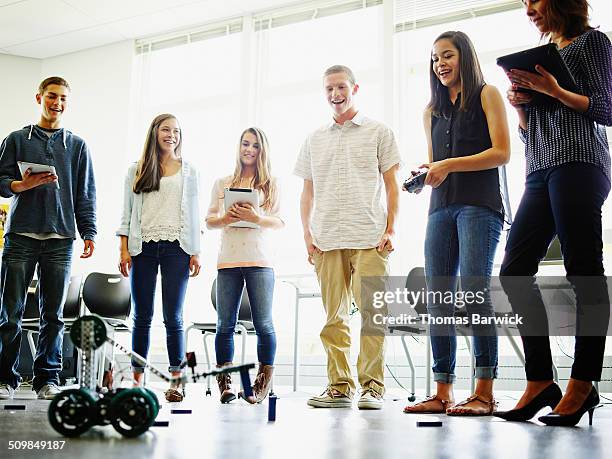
[(46, 209)]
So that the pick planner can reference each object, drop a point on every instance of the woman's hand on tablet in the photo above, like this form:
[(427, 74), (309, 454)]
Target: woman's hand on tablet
[(245, 212), (230, 217), (518, 98), (542, 81)]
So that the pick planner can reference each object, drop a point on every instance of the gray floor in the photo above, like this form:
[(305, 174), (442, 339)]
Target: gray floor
[(239, 430)]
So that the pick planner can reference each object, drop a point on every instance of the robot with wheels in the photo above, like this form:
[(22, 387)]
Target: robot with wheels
[(130, 411)]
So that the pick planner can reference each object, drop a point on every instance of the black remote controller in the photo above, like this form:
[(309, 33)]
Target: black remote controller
[(416, 182)]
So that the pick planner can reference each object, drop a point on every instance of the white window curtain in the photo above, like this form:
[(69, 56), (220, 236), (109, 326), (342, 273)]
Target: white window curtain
[(266, 70), (199, 83), (413, 14), (290, 101)]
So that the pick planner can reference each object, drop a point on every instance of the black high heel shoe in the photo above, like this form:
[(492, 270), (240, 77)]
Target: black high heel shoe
[(550, 396), (568, 420)]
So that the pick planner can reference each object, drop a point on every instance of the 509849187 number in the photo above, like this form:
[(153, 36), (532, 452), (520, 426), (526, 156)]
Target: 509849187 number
[(36, 444)]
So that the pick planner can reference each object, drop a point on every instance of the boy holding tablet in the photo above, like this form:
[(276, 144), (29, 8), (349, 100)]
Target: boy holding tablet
[(40, 231)]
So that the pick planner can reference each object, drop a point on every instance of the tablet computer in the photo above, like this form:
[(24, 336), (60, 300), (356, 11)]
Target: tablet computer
[(232, 196), (548, 57), (36, 168)]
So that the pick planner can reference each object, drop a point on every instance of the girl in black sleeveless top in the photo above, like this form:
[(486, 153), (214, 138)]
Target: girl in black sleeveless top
[(568, 181), (467, 133)]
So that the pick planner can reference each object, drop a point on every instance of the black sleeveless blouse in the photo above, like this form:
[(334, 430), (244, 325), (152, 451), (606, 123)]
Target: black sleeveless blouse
[(464, 133)]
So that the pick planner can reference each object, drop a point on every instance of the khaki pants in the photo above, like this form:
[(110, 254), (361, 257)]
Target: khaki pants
[(340, 274)]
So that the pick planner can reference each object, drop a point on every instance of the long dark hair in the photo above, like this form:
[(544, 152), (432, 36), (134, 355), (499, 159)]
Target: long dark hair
[(570, 18), (149, 169), (470, 75)]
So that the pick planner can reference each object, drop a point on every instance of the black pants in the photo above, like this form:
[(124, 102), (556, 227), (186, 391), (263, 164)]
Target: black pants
[(564, 200)]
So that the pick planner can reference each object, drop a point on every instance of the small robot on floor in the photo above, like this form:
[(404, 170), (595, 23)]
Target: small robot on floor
[(131, 411)]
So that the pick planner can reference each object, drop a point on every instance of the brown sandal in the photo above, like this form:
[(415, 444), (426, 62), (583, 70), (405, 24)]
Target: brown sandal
[(490, 406), (174, 395), (446, 404)]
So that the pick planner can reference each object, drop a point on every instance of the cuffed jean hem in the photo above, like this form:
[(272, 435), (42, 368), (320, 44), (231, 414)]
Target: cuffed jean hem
[(16, 386), (170, 369), (446, 378), (485, 372)]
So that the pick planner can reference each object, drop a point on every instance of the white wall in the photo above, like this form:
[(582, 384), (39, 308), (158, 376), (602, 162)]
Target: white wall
[(100, 79), (20, 77)]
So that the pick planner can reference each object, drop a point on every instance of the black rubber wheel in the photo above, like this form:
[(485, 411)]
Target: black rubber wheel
[(155, 399), (132, 412), (412, 398), (72, 412), (103, 410)]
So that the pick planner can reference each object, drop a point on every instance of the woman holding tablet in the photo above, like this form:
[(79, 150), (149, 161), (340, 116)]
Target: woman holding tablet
[(467, 135), (160, 229), (244, 259), (568, 180)]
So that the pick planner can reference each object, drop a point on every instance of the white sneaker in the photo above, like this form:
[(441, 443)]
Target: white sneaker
[(331, 398), (370, 400), (48, 392), (6, 392)]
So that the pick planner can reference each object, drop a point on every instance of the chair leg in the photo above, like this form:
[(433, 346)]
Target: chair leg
[(79, 367), (427, 366), (186, 338), (208, 364), (412, 398), (517, 349), (111, 367), (101, 362), (521, 356), (242, 331), (30, 336)]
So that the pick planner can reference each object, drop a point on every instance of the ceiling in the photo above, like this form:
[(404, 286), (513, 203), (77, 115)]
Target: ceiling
[(47, 28)]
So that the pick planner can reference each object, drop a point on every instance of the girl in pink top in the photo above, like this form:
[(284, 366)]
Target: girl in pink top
[(244, 259)]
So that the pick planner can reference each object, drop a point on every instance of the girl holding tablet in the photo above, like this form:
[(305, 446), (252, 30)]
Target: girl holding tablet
[(467, 135), (244, 259), (160, 229), (568, 180)]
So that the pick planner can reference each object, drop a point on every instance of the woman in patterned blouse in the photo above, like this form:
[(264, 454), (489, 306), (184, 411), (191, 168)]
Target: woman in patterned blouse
[(568, 180)]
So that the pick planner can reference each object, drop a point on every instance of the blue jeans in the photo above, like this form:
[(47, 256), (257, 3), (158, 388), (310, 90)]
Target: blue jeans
[(174, 264), (19, 259), (461, 238), (260, 287)]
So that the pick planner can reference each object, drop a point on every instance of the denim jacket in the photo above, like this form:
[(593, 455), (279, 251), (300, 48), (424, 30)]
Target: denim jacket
[(190, 212)]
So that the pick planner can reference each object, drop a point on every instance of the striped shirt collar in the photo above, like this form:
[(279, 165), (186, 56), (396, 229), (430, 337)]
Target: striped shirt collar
[(358, 120)]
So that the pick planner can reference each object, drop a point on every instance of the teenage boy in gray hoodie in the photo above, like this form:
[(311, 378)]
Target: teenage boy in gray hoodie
[(40, 231)]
